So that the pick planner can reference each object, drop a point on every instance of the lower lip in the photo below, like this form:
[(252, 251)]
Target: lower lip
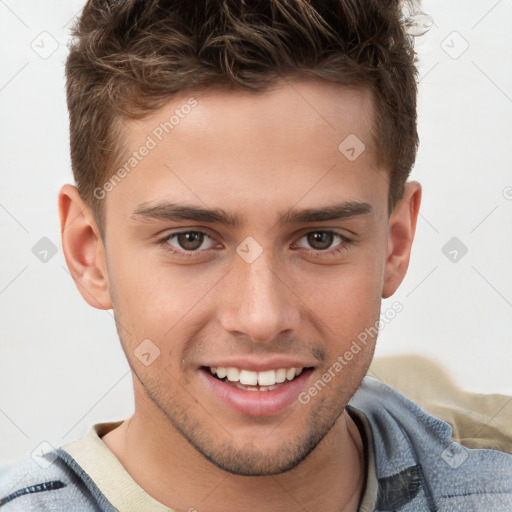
[(258, 403)]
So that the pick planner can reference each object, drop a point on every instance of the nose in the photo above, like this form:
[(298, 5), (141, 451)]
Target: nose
[(257, 300)]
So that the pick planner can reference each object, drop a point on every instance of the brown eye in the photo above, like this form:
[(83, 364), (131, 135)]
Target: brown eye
[(323, 242), (188, 244), (320, 240), (190, 240)]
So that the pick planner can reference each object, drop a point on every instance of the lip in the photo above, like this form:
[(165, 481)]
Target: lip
[(257, 403), (256, 365)]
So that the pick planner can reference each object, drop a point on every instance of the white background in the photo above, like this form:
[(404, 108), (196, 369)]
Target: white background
[(61, 365)]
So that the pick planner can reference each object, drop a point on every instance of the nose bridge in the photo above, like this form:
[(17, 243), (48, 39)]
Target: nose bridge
[(258, 304)]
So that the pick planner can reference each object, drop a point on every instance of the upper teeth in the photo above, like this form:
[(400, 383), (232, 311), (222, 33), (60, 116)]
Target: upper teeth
[(250, 378)]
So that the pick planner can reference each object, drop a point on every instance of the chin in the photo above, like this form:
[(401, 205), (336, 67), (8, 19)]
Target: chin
[(251, 460)]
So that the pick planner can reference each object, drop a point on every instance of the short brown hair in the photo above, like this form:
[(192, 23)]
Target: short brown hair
[(129, 57)]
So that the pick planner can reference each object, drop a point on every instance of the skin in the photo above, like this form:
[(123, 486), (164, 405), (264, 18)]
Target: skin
[(254, 156)]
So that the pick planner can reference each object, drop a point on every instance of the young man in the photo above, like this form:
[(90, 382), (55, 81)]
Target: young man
[(242, 206)]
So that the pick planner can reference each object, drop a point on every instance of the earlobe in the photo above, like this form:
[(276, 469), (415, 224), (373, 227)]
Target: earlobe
[(83, 248), (402, 226)]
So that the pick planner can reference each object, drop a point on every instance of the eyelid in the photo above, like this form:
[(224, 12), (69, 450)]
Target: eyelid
[(168, 233)]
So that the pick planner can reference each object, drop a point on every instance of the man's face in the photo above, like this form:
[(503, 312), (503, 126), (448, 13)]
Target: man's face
[(289, 282)]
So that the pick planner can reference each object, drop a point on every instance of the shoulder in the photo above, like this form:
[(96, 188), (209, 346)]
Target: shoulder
[(477, 420), (415, 452), (30, 485), (47, 483)]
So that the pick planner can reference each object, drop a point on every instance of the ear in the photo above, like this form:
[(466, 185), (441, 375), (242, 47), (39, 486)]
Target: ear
[(83, 248), (401, 229)]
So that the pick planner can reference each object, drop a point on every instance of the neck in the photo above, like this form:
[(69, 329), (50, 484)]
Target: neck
[(170, 470)]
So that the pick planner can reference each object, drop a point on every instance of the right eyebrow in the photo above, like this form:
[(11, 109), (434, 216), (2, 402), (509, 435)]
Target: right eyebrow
[(174, 211)]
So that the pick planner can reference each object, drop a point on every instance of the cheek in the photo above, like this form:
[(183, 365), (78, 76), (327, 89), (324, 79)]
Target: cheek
[(155, 300), (347, 299)]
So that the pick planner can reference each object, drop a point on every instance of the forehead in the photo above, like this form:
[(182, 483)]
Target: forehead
[(289, 109), (300, 139)]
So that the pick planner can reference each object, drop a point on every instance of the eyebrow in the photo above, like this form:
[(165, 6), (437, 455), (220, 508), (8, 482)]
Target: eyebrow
[(174, 211)]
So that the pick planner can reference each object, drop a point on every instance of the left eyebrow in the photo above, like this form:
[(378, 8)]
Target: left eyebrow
[(333, 212)]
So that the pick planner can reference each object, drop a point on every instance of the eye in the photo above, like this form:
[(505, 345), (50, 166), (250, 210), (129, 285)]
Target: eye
[(188, 241), (322, 240)]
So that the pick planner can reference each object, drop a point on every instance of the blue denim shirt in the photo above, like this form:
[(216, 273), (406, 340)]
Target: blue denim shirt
[(420, 468)]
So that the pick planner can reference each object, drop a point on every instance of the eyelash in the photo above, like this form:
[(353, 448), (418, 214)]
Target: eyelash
[(345, 241)]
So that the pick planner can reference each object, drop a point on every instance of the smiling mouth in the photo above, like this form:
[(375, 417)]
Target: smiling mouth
[(249, 380)]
